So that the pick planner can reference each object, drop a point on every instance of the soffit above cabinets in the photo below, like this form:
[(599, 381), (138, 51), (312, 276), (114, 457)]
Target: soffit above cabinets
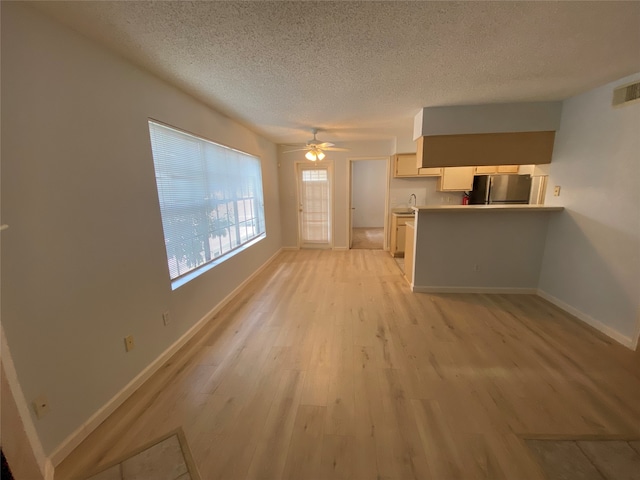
[(492, 134), (511, 148), (489, 118)]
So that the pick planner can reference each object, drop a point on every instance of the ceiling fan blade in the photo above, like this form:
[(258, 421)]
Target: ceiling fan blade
[(325, 145), (336, 149), (296, 150)]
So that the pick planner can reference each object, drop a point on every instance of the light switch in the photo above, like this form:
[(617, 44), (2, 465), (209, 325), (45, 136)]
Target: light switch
[(556, 191)]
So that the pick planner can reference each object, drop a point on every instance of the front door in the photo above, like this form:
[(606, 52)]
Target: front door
[(314, 205)]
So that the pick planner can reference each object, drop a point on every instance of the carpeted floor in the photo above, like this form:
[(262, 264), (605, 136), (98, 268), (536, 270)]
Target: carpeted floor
[(368, 238), (167, 458)]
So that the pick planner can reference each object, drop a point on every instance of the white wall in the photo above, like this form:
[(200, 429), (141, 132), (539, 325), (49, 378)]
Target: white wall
[(425, 191), (84, 263), (592, 259), (369, 184)]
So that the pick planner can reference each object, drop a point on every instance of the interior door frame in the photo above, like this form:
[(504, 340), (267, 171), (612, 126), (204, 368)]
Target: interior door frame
[(332, 203), (350, 161)]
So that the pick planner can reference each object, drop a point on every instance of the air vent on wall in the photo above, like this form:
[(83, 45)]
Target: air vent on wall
[(626, 94)]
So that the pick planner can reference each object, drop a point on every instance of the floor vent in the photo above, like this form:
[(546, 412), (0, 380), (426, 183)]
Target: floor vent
[(626, 95)]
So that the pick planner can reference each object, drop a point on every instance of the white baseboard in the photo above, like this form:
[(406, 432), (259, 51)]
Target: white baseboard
[(504, 290), (23, 411), (82, 432), (589, 320)]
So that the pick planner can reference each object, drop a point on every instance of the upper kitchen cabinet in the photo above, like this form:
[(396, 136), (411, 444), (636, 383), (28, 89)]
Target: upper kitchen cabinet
[(486, 135), (497, 169), (456, 179), (430, 172), (405, 165)]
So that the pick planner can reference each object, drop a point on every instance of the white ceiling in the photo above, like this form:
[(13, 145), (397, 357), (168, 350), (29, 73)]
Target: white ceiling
[(362, 70)]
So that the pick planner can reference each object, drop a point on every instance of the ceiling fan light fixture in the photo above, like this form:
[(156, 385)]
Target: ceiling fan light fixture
[(314, 155)]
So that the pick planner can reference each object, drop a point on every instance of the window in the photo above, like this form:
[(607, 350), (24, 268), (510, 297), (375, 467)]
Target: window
[(210, 199)]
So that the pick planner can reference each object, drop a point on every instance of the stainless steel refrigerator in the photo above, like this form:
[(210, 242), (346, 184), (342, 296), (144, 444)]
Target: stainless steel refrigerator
[(500, 189)]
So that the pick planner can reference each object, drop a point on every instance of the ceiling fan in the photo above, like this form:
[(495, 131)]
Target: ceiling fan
[(315, 149)]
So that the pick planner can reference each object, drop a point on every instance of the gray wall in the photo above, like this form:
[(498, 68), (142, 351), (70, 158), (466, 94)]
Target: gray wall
[(479, 250), (592, 259), (83, 263)]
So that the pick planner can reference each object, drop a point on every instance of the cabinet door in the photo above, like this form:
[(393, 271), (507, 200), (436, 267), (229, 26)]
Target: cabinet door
[(408, 254), (401, 234), (456, 179), (508, 168), (430, 172), (486, 170), (405, 165)]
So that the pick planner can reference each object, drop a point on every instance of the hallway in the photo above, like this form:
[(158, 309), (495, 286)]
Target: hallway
[(367, 238)]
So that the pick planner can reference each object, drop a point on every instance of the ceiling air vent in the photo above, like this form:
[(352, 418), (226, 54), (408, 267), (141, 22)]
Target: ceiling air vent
[(626, 95)]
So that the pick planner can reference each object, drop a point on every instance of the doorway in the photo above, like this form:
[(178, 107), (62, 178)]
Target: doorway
[(315, 205), (368, 203)]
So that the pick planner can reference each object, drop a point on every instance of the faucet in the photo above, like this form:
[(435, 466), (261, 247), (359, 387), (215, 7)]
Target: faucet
[(413, 195)]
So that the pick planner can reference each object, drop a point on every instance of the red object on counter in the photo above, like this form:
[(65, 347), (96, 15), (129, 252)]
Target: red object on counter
[(465, 200)]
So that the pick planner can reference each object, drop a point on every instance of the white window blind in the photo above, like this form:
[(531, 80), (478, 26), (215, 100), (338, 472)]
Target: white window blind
[(210, 198)]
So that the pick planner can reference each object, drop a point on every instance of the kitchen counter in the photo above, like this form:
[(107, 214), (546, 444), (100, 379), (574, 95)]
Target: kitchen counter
[(404, 213), (486, 208)]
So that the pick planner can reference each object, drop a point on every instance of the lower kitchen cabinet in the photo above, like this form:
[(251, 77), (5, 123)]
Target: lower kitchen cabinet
[(398, 234)]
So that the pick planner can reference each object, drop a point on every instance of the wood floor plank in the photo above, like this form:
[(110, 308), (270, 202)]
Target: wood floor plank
[(445, 456), (305, 451), (271, 453), (389, 384), (336, 463)]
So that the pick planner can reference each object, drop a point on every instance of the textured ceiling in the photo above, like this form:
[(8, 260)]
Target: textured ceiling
[(360, 70)]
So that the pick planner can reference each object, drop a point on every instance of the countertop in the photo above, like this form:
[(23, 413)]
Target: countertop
[(403, 212), (487, 208)]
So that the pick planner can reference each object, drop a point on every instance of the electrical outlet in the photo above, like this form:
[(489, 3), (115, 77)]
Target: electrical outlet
[(41, 406), (128, 343), (165, 318), (556, 191)]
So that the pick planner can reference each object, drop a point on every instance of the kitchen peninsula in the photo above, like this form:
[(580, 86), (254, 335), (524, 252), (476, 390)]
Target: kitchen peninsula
[(478, 248)]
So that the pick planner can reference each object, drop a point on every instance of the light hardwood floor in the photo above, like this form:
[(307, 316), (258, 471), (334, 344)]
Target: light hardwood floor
[(328, 367)]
